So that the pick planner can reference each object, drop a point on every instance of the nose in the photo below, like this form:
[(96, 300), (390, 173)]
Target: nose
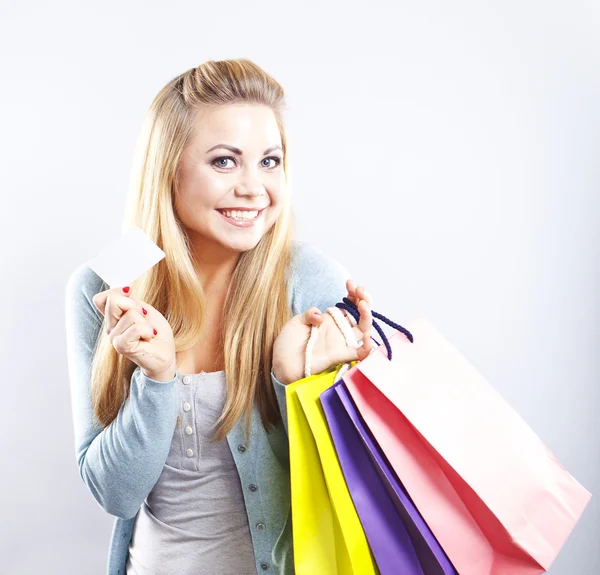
[(250, 188), (250, 184)]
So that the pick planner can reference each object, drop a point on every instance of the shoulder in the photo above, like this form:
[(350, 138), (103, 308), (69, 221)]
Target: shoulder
[(318, 279), (82, 285)]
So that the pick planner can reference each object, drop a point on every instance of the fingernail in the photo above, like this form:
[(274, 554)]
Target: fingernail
[(126, 289), (155, 332), (107, 330), (144, 311)]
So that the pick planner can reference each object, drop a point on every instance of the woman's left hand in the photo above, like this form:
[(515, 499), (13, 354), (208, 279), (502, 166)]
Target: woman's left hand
[(330, 348)]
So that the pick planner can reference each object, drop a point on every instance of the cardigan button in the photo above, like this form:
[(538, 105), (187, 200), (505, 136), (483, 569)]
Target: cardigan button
[(260, 526), (264, 566), (241, 448), (252, 487), (189, 430)]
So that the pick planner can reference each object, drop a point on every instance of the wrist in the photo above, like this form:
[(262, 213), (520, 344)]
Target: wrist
[(281, 375), (163, 377)]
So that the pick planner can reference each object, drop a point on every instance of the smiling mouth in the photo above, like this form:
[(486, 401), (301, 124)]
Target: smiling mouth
[(229, 214)]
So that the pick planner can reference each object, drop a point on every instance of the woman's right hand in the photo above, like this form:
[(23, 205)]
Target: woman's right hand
[(131, 332)]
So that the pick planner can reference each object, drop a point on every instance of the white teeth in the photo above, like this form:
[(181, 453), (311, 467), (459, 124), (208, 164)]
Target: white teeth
[(240, 215)]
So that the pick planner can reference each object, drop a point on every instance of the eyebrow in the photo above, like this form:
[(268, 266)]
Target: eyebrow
[(239, 152)]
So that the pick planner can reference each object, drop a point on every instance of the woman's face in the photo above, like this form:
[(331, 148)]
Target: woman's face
[(235, 160)]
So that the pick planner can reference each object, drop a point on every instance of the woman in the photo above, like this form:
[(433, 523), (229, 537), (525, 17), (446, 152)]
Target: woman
[(192, 463)]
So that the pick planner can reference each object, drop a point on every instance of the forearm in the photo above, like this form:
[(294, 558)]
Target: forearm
[(120, 462), (123, 462)]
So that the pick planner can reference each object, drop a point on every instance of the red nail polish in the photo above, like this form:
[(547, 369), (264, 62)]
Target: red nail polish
[(126, 289), (155, 332), (144, 311)]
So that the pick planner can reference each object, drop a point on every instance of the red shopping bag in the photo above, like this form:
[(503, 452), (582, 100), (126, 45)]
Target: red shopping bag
[(493, 495)]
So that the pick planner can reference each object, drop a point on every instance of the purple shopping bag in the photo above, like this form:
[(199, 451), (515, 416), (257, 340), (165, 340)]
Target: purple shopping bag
[(400, 539)]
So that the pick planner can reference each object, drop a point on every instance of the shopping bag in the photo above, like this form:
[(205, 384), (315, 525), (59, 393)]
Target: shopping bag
[(400, 539), (328, 538), (492, 493)]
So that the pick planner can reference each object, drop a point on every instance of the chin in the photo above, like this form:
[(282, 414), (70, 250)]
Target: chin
[(241, 245)]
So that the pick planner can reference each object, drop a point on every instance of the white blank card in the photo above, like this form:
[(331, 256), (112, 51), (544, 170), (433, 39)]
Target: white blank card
[(123, 261)]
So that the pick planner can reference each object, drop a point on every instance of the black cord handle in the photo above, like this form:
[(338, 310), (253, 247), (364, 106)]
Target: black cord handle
[(352, 309)]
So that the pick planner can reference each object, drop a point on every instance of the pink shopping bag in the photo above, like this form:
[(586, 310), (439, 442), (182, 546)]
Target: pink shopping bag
[(494, 496)]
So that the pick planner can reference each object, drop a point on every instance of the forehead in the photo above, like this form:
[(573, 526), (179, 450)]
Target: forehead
[(246, 126)]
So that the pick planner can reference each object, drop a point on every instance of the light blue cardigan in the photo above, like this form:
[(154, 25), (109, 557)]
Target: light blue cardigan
[(121, 463)]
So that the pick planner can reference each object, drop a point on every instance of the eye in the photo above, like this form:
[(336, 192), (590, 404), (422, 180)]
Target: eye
[(276, 159), (216, 161)]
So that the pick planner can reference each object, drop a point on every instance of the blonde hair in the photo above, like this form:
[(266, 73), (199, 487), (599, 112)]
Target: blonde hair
[(256, 305)]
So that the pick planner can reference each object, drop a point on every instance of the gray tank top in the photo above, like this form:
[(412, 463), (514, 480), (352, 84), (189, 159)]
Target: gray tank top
[(194, 520)]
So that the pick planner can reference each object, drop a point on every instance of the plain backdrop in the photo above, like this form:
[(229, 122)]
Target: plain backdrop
[(445, 153)]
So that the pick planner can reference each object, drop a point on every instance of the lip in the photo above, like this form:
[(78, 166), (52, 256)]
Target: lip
[(243, 209), (241, 223)]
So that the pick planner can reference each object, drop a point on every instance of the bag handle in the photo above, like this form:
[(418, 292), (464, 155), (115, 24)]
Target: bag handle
[(352, 309)]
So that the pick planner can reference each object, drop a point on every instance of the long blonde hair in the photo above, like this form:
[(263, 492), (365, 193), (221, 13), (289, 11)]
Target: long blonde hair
[(256, 305)]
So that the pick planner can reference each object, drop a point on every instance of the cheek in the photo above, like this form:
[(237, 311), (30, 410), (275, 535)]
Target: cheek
[(277, 188), (212, 179), (277, 204), (207, 188)]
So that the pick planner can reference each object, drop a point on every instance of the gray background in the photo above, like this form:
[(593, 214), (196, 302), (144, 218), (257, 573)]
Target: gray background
[(445, 153)]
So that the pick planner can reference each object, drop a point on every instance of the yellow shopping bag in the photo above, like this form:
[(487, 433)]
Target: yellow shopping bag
[(328, 537)]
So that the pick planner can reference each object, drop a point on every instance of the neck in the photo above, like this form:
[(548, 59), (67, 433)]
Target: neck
[(215, 266)]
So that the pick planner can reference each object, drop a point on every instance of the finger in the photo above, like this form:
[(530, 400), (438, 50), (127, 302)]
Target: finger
[(367, 346), (132, 339), (365, 320), (117, 305), (316, 317), (312, 316), (130, 330), (351, 291), (362, 293), (358, 293), (100, 298), (364, 328)]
